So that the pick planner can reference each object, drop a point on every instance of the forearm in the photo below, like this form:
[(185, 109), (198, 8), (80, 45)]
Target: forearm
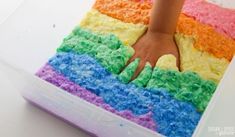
[(164, 16)]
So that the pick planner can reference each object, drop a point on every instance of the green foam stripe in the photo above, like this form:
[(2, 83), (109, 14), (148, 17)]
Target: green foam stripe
[(184, 86), (107, 49)]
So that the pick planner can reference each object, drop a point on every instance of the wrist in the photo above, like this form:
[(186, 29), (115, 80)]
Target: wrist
[(161, 35)]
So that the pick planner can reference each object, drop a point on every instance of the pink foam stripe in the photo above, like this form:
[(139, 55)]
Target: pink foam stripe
[(222, 19)]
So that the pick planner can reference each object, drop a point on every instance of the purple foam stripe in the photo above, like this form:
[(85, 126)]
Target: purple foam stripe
[(50, 75)]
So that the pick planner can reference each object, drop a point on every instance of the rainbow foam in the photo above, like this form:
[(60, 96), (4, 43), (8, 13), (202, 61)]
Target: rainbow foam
[(169, 100)]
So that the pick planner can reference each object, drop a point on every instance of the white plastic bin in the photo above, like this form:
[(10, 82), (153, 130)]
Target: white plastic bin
[(29, 38)]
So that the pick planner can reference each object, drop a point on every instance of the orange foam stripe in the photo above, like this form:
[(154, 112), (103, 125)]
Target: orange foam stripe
[(130, 11), (207, 39), (133, 11)]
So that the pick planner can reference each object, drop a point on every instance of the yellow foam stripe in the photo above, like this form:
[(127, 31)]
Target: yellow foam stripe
[(203, 63), (128, 33), (167, 62)]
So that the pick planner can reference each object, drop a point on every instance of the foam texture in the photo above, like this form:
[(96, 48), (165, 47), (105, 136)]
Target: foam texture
[(50, 75), (115, 55), (170, 100), (128, 33), (137, 11), (204, 64), (173, 117), (107, 49), (208, 39), (222, 19)]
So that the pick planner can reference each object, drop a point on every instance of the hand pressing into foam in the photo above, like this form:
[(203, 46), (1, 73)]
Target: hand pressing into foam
[(159, 39), (151, 46)]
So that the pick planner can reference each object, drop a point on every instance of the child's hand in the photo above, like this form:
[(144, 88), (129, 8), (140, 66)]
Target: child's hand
[(159, 39), (151, 46)]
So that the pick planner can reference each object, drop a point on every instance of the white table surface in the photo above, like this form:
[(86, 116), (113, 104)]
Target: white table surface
[(17, 117)]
